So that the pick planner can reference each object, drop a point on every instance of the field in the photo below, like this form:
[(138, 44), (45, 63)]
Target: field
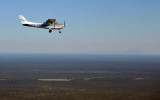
[(79, 77)]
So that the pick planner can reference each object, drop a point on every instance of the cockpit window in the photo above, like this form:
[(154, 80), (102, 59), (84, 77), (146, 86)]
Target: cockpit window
[(50, 21)]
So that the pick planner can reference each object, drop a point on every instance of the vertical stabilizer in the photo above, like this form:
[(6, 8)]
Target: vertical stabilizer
[(22, 18)]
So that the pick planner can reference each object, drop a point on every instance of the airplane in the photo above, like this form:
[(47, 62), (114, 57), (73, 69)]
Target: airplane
[(50, 24)]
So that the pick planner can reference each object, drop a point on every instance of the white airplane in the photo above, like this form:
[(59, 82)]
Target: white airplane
[(49, 24)]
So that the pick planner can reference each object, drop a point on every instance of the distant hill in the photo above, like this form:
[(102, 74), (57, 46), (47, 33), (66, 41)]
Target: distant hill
[(133, 51)]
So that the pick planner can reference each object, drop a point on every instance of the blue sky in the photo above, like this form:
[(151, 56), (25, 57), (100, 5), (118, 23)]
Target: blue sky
[(93, 26)]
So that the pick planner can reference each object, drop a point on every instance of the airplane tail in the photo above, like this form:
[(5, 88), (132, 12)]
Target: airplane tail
[(23, 20)]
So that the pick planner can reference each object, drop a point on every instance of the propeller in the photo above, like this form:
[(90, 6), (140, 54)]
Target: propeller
[(64, 24)]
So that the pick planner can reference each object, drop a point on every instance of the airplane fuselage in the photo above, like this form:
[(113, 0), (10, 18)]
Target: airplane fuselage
[(41, 25)]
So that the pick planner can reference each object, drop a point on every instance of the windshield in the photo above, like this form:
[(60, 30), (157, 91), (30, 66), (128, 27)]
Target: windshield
[(48, 23)]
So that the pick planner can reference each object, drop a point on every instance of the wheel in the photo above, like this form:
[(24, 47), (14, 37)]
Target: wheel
[(50, 31), (59, 31)]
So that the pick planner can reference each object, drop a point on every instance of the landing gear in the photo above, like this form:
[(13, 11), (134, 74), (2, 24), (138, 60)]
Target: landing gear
[(50, 31)]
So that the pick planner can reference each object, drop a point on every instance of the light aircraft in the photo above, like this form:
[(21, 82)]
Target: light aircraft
[(50, 24)]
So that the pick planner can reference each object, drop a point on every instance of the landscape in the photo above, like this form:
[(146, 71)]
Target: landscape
[(79, 77), (80, 50)]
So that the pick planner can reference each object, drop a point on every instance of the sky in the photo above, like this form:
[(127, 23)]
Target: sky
[(92, 26)]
